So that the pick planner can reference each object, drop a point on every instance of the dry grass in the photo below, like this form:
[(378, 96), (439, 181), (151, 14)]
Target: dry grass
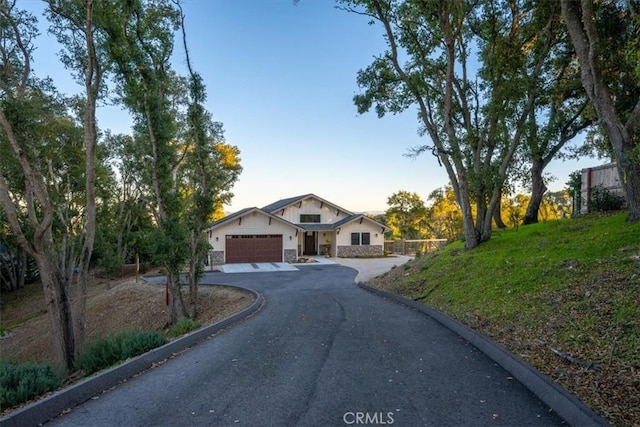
[(111, 307)]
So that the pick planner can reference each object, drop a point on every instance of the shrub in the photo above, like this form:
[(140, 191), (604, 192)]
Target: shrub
[(138, 343), (22, 382), (602, 200), (99, 353), (183, 326), (103, 352)]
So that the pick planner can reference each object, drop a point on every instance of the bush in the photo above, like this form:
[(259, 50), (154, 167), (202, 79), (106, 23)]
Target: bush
[(22, 382), (103, 352), (99, 353), (138, 343), (602, 200), (183, 326)]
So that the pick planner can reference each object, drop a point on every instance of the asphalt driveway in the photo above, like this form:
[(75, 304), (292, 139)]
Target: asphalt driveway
[(322, 352)]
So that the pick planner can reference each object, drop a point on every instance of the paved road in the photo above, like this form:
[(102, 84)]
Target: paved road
[(322, 352)]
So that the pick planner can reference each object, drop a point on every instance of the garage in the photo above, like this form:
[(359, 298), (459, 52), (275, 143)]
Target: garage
[(254, 248)]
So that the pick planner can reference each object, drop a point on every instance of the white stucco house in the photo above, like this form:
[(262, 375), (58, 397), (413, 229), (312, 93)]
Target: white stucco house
[(305, 225)]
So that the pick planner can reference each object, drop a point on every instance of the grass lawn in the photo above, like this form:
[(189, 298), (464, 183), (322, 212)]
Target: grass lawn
[(572, 285)]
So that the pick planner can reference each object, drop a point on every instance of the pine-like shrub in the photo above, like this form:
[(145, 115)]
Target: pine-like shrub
[(103, 352), (134, 344), (99, 353), (22, 382)]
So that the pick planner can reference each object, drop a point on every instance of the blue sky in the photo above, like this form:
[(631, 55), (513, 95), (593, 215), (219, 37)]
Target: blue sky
[(281, 78)]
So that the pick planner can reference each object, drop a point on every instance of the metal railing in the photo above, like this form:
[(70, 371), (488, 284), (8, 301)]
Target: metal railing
[(413, 246)]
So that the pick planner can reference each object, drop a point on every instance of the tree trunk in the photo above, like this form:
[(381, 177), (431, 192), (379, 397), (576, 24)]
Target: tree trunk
[(92, 83), (194, 270), (497, 216), (537, 193), (176, 303), (471, 235), (631, 183), (484, 215), (57, 299)]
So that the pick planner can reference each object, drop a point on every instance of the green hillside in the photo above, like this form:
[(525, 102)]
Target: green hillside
[(571, 285)]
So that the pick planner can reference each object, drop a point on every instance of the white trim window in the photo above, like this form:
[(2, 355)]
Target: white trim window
[(309, 218), (360, 239)]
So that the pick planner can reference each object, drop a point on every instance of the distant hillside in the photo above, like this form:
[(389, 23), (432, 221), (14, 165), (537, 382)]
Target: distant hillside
[(572, 285)]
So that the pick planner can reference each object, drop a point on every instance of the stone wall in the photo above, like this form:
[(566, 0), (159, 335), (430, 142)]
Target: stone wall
[(359, 251), (290, 255), (217, 257)]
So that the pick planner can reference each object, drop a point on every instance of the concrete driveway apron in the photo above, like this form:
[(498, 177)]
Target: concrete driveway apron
[(322, 352)]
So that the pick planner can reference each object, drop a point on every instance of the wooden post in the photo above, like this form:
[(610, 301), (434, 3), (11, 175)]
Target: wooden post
[(588, 188)]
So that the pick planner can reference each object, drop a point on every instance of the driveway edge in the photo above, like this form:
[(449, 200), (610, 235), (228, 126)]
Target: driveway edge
[(565, 404), (49, 407)]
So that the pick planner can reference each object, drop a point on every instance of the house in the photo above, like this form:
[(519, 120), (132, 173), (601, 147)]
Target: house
[(283, 231)]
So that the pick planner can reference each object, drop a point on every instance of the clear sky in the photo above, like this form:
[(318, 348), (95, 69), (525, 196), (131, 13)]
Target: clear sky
[(281, 77)]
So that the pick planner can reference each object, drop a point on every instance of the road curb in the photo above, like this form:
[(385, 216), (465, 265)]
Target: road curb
[(43, 410), (566, 405)]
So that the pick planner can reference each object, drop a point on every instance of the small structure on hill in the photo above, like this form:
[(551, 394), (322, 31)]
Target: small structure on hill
[(605, 177)]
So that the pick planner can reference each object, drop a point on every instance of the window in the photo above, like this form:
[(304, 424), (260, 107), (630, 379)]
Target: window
[(306, 218), (358, 239), (366, 238), (355, 239)]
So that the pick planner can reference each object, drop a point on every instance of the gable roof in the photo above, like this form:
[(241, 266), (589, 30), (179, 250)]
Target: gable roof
[(281, 204), (245, 212), (361, 216)]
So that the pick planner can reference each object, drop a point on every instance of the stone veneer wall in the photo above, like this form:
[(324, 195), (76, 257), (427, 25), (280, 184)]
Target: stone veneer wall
[(217, 257), (290, 255), (359, 251)]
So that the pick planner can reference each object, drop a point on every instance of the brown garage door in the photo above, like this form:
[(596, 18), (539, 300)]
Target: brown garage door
[(254, 248)]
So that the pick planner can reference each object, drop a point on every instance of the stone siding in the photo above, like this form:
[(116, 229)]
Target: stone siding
[(359, 251), (290, 255), (217, 257)]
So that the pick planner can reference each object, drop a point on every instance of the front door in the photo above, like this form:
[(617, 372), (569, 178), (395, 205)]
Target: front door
[(310, 243)]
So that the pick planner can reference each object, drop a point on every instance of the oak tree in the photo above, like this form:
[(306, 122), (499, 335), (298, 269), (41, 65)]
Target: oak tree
[(41, 186), (605, 37), (474, 112)]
